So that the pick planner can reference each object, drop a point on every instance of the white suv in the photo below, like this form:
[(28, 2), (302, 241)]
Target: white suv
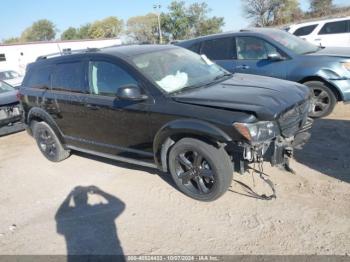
[(330, 32)]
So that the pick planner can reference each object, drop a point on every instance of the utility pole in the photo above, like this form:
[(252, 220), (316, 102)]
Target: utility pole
[(157, 7)]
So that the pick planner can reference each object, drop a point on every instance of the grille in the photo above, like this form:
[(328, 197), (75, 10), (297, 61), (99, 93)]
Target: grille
[(291, 121)]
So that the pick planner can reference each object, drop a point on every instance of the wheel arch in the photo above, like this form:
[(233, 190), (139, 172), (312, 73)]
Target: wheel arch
[(39, 115), (333, 88), (172, 132)]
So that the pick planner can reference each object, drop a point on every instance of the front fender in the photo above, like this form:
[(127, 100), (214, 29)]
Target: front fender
[(182, 128)]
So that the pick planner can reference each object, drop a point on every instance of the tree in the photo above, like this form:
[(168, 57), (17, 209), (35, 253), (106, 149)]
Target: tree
[(183, 22), (11, 40), (70, 34), (41, 30), (144, 28), (321, 7), (288, 11), (261, 11), (83, 31), (107, 28)]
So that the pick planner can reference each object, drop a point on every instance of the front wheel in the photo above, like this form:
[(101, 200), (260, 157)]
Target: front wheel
[(200, 170), (323, 99), (48, 143)]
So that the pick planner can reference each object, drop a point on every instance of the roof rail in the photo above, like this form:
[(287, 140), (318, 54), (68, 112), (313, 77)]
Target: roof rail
[(67, 52)]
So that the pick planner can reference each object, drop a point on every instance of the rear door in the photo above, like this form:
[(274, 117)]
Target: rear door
[(335, 34), (221, 51), (252, 58)]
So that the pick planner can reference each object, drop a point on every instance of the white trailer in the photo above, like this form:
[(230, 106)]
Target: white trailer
[(17, 56)]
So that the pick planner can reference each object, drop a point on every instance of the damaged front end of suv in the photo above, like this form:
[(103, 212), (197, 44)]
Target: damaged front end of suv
[(274, 141)]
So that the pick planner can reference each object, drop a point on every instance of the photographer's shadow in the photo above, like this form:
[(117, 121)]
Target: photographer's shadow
[(86, 219)]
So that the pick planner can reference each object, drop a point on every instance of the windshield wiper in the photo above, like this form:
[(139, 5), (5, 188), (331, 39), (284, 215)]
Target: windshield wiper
[(222, 75)]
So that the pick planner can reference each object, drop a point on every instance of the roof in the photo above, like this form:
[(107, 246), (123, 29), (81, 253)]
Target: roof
[(326, 20)]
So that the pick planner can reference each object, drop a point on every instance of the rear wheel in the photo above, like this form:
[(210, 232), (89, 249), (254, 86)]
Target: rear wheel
[(323, 99), (48, 142), (200, 170)]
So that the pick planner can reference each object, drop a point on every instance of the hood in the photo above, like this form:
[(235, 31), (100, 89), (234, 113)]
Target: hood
[(333, 51), (9, 97), (263, 96)]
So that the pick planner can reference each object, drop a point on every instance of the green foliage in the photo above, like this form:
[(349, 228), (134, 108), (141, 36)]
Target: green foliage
[(70, 34), (106, 28), (183, 21), (42, 30), (12, 40), (144, 28), (83, 31), (321, 7), (272, 12)]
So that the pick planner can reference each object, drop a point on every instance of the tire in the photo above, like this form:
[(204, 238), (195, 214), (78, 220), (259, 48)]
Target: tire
[(323, 99), (200, 170), (48, 143)]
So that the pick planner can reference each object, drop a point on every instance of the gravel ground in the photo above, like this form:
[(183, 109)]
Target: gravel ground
[(88, 205)]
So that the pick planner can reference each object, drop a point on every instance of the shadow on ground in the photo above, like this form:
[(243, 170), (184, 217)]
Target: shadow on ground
[(328, 150), (86, 219)]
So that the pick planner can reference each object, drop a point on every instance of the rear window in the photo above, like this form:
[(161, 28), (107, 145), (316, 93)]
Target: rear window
[(2, 57), (334, 28), (219, 49), (39, 77), (305, 30), (69, 77)]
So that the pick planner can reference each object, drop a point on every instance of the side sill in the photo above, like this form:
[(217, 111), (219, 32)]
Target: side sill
[(113, 157)]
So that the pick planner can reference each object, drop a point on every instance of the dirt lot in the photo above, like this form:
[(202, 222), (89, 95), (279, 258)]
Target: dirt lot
[(132, 210)]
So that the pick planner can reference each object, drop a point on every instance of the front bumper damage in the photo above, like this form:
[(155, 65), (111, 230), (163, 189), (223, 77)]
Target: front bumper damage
[(278, 151)]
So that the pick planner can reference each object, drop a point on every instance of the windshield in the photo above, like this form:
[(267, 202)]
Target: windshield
[(177, 69), (7, 75), (293, 43), (5, 87)]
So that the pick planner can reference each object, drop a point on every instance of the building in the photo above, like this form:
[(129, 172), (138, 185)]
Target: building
[(17, 56)]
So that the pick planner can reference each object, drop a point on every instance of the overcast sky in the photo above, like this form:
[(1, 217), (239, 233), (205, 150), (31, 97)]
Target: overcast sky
[(16, 15)]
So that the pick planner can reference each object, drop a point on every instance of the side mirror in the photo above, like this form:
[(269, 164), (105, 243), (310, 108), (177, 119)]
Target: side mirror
[(131, 92), (275, 57)]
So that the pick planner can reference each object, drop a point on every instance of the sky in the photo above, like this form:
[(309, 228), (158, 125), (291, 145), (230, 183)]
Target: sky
[(16, 15)]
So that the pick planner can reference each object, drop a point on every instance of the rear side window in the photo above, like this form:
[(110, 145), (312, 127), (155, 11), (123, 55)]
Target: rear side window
[(334, 28), (69, 77), (105, 78), (219, 49), (305, 30), (39, 77)]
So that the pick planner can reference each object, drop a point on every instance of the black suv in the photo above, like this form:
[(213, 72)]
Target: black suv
[(163, 107)]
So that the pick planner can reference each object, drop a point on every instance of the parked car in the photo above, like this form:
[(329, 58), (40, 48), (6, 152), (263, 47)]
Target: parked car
[(11, 77), (276, 53), (10, 110), (163, 107), (330, 32)]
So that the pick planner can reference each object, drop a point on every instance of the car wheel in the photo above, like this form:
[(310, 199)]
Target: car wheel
[(49, 143), (200, 170), (323, 99)]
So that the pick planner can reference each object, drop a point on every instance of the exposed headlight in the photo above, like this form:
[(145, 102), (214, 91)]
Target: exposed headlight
[(258, 132), (346, 65)]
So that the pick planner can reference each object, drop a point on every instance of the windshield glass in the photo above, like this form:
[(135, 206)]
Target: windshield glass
[(293, 43), (176, 69), (5, 87), (7, 75)]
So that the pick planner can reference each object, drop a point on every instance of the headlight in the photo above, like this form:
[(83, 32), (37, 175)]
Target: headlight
[(346, 65), (258, 132)]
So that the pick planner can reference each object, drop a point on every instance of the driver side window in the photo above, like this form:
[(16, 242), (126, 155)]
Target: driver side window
[(253, 48), (105, 78)]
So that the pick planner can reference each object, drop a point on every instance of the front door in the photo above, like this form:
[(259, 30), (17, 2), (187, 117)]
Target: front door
[(253, 58), (116, 126)]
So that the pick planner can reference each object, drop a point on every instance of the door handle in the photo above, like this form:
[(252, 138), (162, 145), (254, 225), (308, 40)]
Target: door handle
[(92, 107), (242, 67), (317, 39)]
